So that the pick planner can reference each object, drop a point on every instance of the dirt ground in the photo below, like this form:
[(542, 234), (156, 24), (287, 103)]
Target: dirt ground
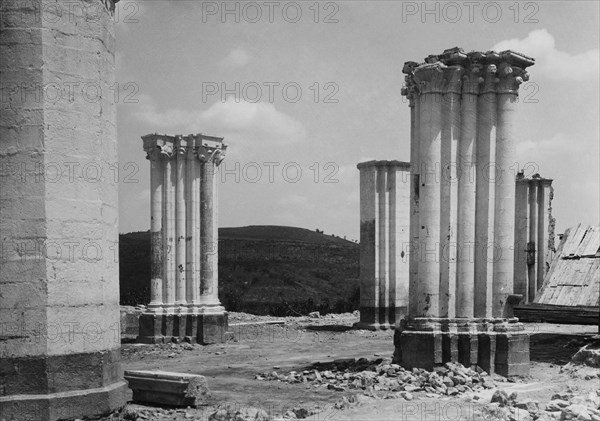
[(257, 347)]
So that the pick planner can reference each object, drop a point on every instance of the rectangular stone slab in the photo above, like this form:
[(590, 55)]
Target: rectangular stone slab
[(168, 388)]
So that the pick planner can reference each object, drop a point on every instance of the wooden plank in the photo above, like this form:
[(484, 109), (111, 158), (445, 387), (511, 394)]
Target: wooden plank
[(585, 240), (593, 244), (557, 314), (591, 295), (573, 241)]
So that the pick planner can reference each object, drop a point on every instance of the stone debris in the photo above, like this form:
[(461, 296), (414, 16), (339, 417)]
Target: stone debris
[(588, 355), (562, 407), (167, 388), (381, 375)]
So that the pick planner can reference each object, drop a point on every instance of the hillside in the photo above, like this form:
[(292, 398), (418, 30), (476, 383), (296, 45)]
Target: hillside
[(263, 270)]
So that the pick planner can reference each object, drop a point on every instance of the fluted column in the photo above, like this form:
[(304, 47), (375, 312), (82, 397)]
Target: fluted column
[(169, 224), (430, 79), (467, 164), (156, 229), (210, 159), (510, 77), (485, 193), (451, 118), (180, 223)]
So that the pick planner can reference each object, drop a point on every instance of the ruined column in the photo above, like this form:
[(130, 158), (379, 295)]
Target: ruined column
[(534, 234), (384, 240), (190, 225), (59, 275), (471, 326)]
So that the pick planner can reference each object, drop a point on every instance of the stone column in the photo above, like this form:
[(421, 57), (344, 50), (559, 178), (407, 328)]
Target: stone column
[(510, 77), (534, 234), (190, 226), (169, 224), (451, 128), (59, 275), (430, 79), (485, 191), (462, 134), (155, 155), (180, 223), (467, 155), (384, 241), (521, 236), (192, 249)]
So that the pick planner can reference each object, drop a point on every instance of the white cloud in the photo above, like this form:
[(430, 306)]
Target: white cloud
[(295, 201), (255, 122), (551, 62), (236, 58)]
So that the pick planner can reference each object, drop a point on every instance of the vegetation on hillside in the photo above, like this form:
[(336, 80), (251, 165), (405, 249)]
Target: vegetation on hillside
[(263, 270)]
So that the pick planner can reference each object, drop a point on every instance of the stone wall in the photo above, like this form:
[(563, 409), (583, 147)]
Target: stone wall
[(58, 211)]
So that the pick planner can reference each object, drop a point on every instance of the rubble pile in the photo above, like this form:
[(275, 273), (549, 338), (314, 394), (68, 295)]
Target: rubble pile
[(381, 375), (562, 407)]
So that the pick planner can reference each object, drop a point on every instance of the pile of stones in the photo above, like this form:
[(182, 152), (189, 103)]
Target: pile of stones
[(562, 407), (381, 375)]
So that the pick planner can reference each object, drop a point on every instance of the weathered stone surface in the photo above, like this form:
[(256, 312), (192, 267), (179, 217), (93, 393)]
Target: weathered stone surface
[(59, 306), (167, 388)]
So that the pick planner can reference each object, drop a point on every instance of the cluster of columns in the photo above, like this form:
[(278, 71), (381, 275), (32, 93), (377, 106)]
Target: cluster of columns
[(462, 210), (384, 241), (534, 234), (184, 238)]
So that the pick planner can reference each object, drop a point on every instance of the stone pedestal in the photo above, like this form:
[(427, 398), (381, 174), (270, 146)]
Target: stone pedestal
[(384, 243), (184, 230), (463, 138), (496, 345)]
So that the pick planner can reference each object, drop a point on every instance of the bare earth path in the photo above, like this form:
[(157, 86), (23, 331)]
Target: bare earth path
[(231, 369)]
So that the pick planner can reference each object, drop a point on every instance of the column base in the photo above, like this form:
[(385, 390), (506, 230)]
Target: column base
[(496, 345), (209, 328), (380, 318), (57, 387)]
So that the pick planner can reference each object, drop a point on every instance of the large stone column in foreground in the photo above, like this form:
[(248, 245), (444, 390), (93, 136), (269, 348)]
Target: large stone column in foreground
[(59, 274), (534, 234), (463, 108), (384, 243), (184, 231)]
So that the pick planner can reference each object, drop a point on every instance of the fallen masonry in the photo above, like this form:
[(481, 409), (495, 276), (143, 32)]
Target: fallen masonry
[(381, 375), (562, 406), (166, 388)]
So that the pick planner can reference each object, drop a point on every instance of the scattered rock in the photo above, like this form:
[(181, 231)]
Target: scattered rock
[(314, 315), (500, 397)]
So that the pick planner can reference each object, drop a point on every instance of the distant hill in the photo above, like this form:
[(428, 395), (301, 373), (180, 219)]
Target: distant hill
[(263, 269)]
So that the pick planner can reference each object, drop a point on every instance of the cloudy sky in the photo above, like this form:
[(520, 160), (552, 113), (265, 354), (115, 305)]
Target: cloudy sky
[(303, 91)]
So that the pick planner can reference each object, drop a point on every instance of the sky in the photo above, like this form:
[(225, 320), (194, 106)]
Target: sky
[(303, 91)]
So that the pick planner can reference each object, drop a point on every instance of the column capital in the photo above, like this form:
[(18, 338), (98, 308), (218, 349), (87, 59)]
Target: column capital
[(473, 78), (410, 89), (453, 79), (510, 78), (210, 154), (490, 79), (430, 78)]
